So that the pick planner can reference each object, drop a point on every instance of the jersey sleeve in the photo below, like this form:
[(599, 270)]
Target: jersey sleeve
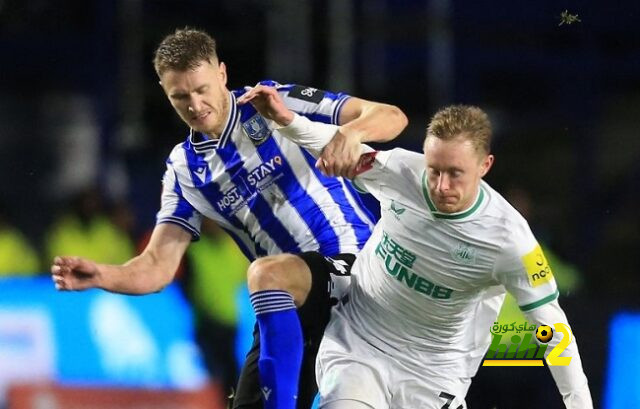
[(570, 379), (388, 169), (313, 103), (175, 208), (523, 269)]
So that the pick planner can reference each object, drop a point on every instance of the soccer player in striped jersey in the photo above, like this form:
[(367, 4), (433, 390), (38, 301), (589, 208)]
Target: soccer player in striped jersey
[(428, 285), (300, 228)]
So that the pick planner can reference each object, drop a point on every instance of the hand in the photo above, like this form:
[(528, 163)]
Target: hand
[(268, 102), (341, 156), (74, 273)]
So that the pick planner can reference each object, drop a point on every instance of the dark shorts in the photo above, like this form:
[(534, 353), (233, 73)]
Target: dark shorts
[(314, 316)]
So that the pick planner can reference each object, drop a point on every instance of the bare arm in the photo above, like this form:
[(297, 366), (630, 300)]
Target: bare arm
[(370, 121), (148, 272)]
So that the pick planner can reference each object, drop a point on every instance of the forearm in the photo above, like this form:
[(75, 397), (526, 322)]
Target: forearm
[(376, 123), (140, 275), (570, 379)]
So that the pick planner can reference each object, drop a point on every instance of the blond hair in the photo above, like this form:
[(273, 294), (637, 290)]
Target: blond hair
[(185, 49), (468, 122)]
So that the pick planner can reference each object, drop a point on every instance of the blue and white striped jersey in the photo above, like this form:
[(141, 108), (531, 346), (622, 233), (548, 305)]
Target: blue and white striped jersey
[(263, 189)]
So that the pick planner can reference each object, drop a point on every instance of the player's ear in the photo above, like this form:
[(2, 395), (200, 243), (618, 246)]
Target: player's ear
[(487, 162), (222, 71)]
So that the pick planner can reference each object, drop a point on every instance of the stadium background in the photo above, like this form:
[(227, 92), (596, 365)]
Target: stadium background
[(80, 105)]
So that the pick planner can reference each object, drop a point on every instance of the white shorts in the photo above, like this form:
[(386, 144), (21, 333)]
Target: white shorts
[(349, 368)]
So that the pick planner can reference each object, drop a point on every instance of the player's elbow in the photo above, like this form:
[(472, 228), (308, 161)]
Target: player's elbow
[(401, 117), (398, 119), (159, 272), (165, 278)]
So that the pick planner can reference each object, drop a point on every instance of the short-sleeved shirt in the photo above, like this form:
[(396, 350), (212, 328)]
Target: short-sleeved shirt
[(428, 285), (263, 189)]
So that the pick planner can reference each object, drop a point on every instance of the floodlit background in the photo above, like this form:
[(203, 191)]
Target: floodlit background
[(85, 125)]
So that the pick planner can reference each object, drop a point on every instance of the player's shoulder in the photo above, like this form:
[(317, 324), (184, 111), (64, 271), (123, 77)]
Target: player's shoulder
[(498, 205), (393, 170), (401, 161), (503, 215), (177, 158)]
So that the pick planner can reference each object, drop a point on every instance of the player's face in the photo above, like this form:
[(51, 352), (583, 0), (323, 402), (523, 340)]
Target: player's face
[(454, 170), (199, 96)]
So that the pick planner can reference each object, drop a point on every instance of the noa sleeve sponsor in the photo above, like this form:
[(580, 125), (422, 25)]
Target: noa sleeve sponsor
[(523, 268), (537, 267)]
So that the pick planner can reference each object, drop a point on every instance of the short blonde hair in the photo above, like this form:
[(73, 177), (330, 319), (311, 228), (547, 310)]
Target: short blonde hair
[(185, 49), (469, 122)]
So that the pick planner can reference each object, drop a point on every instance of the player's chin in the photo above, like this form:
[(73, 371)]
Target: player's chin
[(447, 207), (197, 126)]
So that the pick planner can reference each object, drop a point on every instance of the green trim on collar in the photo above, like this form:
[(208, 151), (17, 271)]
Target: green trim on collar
[(449, 216)]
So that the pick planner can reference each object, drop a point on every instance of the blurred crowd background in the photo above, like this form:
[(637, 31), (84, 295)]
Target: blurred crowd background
[(85, 128)]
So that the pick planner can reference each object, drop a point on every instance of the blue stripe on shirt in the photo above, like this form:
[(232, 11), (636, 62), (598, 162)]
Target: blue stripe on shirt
[(258, 205), (336, 112), (211, 191), (317, 117), (183, 210), (361, 228), (356, 198), (301, 201)]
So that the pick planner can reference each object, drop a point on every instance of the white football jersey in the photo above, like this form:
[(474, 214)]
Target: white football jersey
[(428, 285)]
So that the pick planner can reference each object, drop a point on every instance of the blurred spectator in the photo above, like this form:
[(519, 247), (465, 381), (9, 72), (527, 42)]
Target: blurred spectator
[(17, 257), (216, 271), (86, 230)]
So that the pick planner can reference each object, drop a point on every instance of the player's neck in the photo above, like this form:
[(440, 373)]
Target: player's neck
[(216, 132)]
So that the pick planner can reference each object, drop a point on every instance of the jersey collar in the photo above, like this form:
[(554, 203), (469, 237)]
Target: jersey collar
[(203, 143), (450, 216)]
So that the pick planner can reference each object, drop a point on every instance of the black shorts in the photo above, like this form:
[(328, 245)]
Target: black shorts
[(314, 315)]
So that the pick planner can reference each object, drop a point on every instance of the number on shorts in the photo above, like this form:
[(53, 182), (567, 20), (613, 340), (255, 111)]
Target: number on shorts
[(449, 397)]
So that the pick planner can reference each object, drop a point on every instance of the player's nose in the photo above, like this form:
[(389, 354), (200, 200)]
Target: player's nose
[(443, 183), (195, 105)]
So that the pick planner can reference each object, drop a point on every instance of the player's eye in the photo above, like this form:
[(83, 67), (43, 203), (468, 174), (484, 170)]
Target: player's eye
[(179, 97)]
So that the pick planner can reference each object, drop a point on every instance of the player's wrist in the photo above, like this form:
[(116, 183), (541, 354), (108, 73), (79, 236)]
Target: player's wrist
[(351, 134)]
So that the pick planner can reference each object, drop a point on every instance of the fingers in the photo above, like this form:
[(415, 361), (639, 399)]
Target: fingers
[(61, 271), (58, 274), (261, 91), (334, 166), (321, 165), (58, 270), (247, 96)]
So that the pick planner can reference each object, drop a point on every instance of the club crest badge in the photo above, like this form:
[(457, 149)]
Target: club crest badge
[(256, 129), (464, 253)]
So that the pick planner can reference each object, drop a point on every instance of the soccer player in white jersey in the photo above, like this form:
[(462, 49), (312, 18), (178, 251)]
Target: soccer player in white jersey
[(414, 326), (235, 167)]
